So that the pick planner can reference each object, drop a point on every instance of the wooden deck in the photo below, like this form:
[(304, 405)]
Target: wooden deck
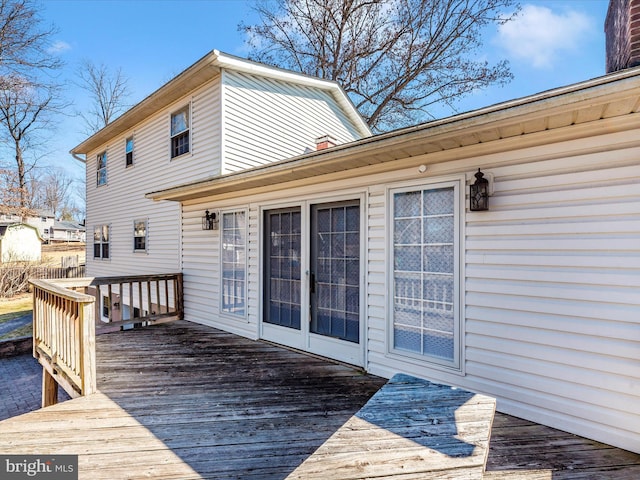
[(182, 401)]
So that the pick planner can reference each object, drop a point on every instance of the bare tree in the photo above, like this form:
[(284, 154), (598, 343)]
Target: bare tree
[(395, 58), (56, 189), (11, 194), (27, 86), (24, 42), (108, 93), (25, 111)]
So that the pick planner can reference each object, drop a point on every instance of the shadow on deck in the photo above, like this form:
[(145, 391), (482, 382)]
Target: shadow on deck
[(184, 401)]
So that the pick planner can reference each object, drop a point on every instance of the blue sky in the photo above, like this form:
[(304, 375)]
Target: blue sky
[(553, 43)]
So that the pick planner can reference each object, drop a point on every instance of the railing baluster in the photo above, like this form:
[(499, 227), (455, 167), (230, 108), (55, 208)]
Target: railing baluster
[(166, 295), (149, 311), (110, 302), (158, 302), (131, 300)]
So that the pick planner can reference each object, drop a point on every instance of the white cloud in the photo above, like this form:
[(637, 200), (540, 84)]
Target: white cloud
[(58, 47), (540, 36)]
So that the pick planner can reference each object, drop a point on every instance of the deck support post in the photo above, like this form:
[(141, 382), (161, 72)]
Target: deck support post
[(49, 389)]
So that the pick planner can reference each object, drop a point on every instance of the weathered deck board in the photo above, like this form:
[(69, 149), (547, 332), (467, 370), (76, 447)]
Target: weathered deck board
[(410, 428), (182, 401)]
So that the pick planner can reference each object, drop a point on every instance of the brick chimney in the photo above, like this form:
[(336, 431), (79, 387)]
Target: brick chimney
[(324, 142), (622, 32)]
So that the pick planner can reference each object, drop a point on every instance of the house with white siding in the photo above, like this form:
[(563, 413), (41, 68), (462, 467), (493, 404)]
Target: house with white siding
[(221, 115), (369, 252)]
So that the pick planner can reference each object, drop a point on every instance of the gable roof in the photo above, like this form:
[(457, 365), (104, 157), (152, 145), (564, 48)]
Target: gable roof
[(64, 225), (556, 115), (201, 72), (4, 227)]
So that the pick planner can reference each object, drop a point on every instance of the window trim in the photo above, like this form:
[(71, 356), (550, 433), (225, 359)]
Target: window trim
[(185, 108), (146, 235), (102, 257), (245, 245), (127, 152), (457, 365), (99, 169)]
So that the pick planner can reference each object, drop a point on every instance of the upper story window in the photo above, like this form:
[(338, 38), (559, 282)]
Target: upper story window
[(102, 169), (140, 236), (180, 132), (101, 241), (128, 151)]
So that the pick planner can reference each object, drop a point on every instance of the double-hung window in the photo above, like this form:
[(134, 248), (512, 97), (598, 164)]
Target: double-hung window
[(425, 256), (128, 151), (101, 169), (140, 236), (101, 241), (234, 263), (180, 132)]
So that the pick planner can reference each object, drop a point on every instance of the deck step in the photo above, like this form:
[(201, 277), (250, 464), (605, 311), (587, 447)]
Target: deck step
[(411, 428)]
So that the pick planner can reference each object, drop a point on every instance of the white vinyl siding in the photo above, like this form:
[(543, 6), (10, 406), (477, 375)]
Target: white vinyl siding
[(268, 120), (203, 277), (549, 281), (552, 296), (122, 201)]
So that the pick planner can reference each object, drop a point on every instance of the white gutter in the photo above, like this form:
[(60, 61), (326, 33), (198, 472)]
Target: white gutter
[(77, 157)]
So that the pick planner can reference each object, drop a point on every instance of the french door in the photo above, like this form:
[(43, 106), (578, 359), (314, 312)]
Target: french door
[(312, 264)]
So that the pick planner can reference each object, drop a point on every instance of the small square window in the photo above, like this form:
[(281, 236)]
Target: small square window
[(140, 235), (180, 132), (101, 169), (101, 241), (128, 150)]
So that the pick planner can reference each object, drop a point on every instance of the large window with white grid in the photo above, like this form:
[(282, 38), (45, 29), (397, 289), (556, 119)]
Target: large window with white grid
[(234, 262), (425, 256)]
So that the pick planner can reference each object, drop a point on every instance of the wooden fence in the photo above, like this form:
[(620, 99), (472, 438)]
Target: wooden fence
[(15, 279)]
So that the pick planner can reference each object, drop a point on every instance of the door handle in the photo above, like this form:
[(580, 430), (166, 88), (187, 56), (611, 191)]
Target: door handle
[(312, 283)]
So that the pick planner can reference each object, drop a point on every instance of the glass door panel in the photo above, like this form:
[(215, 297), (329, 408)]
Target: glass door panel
[(282, 267), (335, 270)]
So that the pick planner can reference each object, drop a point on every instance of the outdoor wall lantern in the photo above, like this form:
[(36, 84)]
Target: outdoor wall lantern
[(479, 193), (210, 220)]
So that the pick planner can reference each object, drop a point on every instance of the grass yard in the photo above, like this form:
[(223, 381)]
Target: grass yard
[(14, 308)]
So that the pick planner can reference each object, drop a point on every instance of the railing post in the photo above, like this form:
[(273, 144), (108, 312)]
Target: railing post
[(88, 343), (49, 389)]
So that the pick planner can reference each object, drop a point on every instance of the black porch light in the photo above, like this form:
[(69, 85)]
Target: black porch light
[(210, 220), (479, 193)]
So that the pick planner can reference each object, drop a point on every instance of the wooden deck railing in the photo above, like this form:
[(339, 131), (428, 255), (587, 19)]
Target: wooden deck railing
[(64, 339), (64, 322)]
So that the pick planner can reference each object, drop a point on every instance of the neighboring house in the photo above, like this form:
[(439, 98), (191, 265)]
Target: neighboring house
[(19, 243), (42, 220), (66, 232), (369, 252), (10, 218)]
